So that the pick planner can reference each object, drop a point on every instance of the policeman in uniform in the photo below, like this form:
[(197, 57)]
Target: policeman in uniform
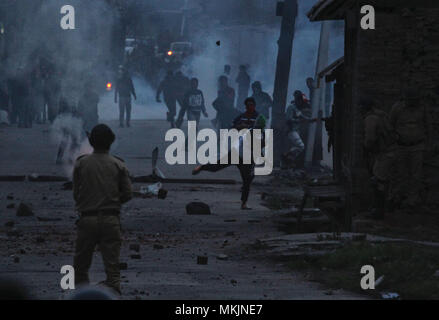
[(101, 184), (412, 124), (380, 147)]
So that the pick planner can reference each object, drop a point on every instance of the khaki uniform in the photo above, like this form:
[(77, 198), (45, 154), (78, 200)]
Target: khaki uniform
[(379, 141), (101, 183), (413, 128)]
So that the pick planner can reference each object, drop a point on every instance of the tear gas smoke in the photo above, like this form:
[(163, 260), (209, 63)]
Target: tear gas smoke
[(66, 132)]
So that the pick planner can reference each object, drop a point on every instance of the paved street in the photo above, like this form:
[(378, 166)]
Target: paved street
[(169, 240)]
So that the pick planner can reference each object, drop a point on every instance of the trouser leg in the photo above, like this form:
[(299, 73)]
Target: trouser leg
[(399, 185), (109, 244), (214, 167), (44, 112), (128, 112), (14, 114), (380, 203), (247, 175), (194, 116), (180, 101), (171, 104), (52, 108), (29, 113), (121, 111), (87, 238), (21, 116)]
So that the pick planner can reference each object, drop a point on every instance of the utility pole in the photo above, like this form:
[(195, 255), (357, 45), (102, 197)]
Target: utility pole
[(183, 20), (318, 98), (288, 11)]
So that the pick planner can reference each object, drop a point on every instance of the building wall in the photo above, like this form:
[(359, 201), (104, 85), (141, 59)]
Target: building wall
[(402, 52)]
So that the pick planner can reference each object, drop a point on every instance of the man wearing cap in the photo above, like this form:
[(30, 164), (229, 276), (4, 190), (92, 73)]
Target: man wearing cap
[(167, 86), (101, 184), (380, 149), (412, 124)]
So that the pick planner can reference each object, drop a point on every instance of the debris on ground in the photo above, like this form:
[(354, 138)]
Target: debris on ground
[(197, 208), (378, 281), (47, 219), (359, 237), (222, 257), (135, 256), (68, 185), (24, 210), (329, 293), (289, 177), (123, 266), (135, 247), (41, 178), (9, 224), (276, 200), (10, 206), (151, 191), (314, 244), (389, 295), (202, 260)]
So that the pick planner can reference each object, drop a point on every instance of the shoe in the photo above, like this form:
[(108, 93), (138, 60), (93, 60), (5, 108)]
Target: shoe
[(197, 170), (245, 207)]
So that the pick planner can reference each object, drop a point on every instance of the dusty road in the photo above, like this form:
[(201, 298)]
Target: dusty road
[(170, 241)]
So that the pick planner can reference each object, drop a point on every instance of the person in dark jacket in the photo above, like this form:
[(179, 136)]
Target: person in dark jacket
[(243, 81), (247, 120), (193, 104), (124, 88), (263, 100), (167, 86)]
